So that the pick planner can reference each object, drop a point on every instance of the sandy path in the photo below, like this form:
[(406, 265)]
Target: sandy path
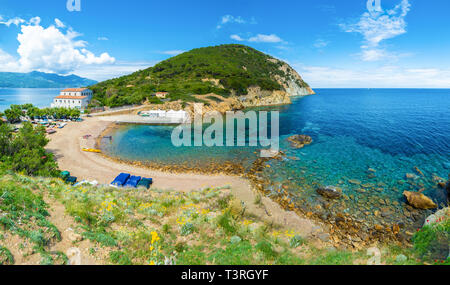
[(67, 143)]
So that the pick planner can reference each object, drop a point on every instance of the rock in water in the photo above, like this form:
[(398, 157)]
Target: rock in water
[(418, 171), (411, 176), (448, 187), (419, 201), (330, 192), (443, 185), (299, 141)]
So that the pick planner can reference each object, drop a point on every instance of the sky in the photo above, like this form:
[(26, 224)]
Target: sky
[(332, 44)]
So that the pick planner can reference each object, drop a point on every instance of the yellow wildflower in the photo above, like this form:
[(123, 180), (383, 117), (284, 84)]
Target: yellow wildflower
[(289, 234), (155, 237)]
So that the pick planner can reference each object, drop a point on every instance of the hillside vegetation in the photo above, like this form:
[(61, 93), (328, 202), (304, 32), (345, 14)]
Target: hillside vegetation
[(224, 70)]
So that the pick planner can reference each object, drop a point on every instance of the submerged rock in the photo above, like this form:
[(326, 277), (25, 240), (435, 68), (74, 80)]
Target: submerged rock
[(419, 201), (299, 141), (418, 171), (411, 176), (330, 192), (355, 181)]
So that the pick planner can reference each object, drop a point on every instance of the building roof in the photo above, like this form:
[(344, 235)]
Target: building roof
[(74, 90), (71, 97)]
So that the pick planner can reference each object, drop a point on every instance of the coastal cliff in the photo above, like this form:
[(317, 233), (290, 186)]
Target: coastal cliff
[(232, 75)]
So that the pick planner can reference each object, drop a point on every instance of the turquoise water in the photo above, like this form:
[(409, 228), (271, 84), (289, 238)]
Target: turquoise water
[(40, 97), (389, 131)]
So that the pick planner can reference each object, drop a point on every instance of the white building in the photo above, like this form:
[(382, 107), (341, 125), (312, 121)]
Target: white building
[(169, 117), (73, 98)]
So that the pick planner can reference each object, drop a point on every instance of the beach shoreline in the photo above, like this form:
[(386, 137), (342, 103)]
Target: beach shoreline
[(67, 145)]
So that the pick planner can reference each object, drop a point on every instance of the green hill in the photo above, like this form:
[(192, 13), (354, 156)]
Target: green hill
[(37, 79), (226, 70)]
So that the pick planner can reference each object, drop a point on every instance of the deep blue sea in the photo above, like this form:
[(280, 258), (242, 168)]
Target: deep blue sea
[(40, 97), (355, 131)]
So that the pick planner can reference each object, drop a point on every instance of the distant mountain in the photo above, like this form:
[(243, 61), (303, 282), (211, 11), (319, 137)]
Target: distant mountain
[(37, 79)]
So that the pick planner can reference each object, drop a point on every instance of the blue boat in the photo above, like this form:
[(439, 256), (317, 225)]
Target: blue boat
[(72, 180), (132, 182), (145, 183), (121, 179)]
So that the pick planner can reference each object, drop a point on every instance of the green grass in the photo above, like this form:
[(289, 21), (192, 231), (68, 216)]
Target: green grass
[(6, 258), (335, 258), (25, 212), (193, 228), (432, 242)]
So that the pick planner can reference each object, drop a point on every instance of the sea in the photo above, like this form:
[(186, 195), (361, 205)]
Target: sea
[(365, 141), (40, 97)]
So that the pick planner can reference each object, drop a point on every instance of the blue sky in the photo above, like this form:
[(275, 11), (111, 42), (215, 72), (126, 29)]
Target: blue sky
[(401, 43)]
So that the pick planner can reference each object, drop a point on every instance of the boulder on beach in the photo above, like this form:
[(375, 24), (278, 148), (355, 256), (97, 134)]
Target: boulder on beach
[(330, 192), (419, 201), (299, 141)]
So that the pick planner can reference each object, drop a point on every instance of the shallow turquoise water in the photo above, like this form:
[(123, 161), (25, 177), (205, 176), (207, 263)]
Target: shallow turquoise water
[(389, 130)]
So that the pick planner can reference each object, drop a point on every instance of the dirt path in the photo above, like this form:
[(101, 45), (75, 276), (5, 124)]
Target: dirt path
[(67, 143), (72, 244)]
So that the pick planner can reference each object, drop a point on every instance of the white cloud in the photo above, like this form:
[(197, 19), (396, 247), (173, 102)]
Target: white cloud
[(108, 71), (228, 19), (102, 39), (378, 26), (14, 21), (59, 24), (236, 38), (381, 77), (320, 43), (51, 50), (373, 54), (261, 38), (35, 21), (173, 52), (7, 62)]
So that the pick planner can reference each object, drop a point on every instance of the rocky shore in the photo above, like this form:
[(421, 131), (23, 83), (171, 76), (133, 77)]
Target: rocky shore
[(351, 222), (293, 86), (348, 220)]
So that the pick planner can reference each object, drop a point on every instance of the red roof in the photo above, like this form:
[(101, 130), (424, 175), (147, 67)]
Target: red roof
[(74, 90), (71, 97)]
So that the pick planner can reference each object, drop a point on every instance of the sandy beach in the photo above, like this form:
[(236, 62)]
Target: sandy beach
[(67, 146)]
